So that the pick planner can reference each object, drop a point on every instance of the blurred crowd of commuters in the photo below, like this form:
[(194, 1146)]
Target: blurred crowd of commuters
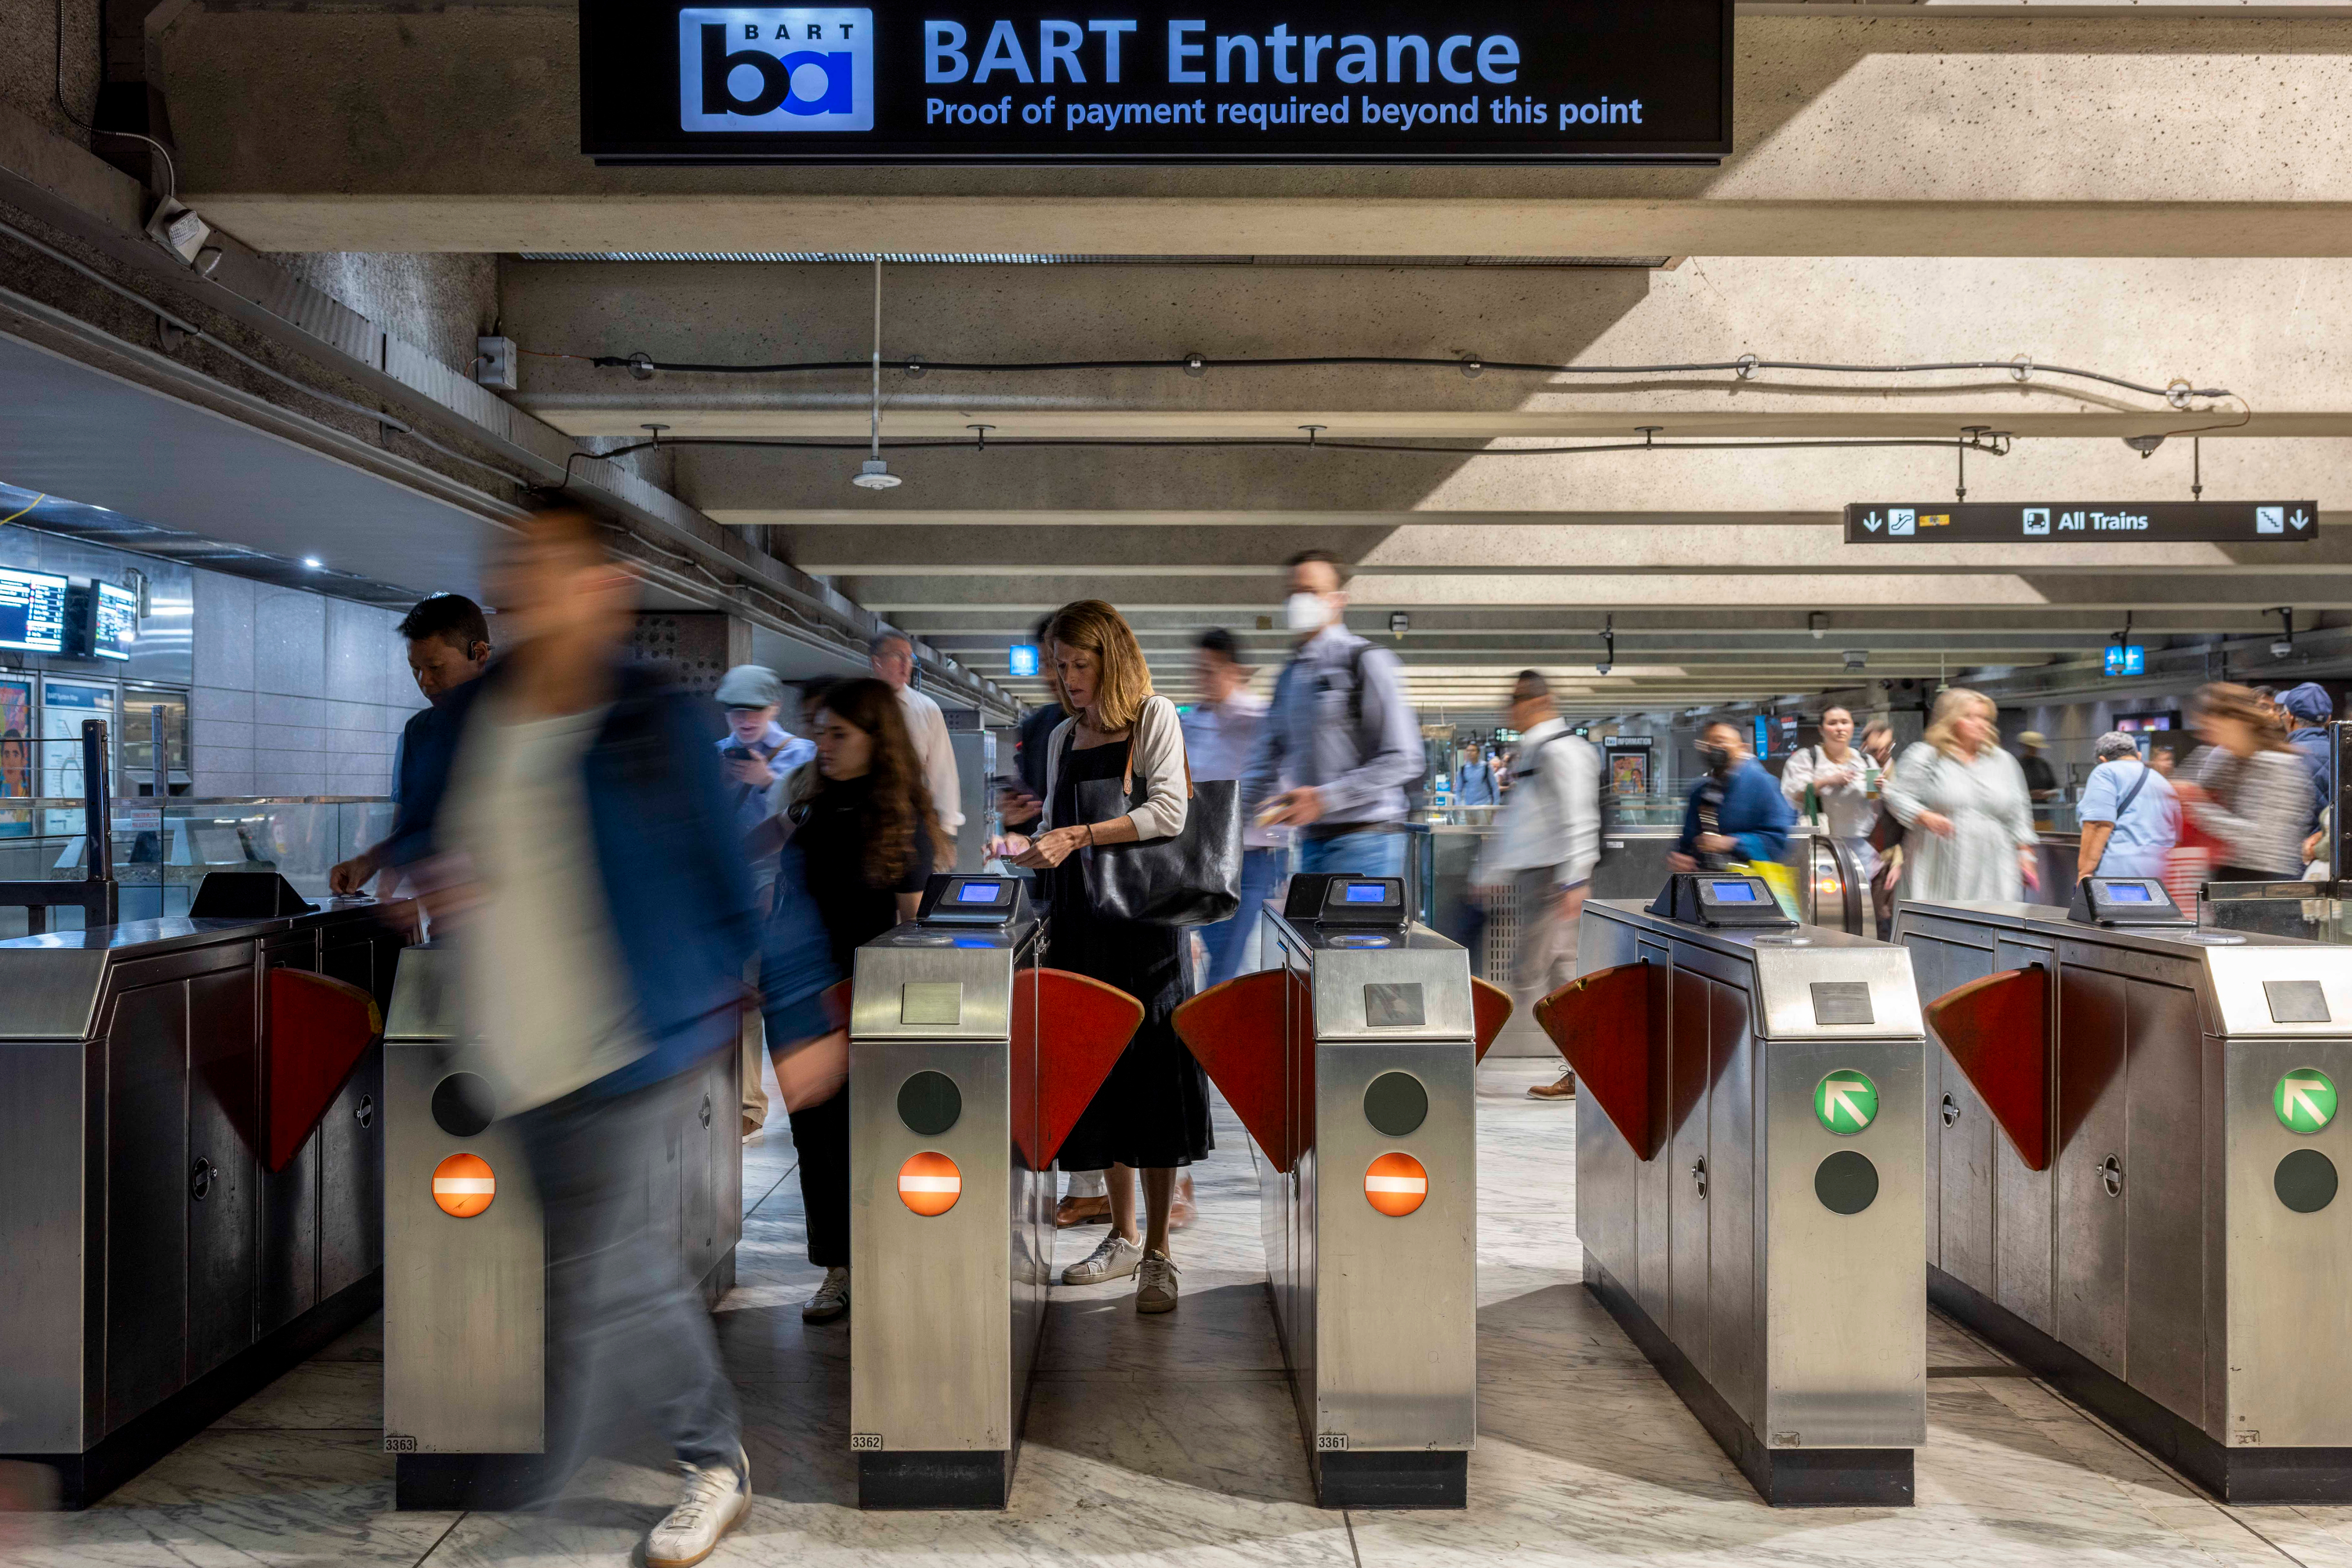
[(620, 883)]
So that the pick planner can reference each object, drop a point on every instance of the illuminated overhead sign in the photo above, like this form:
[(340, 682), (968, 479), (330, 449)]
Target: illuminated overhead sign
[(2127, 658), (1404, 81), (2081, 523), (32, 611)]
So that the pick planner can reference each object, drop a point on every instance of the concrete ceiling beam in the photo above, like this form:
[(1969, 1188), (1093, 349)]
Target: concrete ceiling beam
[(456, 129)]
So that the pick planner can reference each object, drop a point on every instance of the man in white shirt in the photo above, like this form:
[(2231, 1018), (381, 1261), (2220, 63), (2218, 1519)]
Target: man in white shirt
[(1219, 730), (892, 655), (1547, 838)]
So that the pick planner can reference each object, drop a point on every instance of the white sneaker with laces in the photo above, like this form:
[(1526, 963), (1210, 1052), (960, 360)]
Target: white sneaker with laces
[(716, 1500), (1116, 1258), (1155, 1283), (831, 1300)]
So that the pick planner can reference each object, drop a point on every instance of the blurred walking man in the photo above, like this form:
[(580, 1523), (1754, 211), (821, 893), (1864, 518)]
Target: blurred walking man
[(579, 845), (892, 655)]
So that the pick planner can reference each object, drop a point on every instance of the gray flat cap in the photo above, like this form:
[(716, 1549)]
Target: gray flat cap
[(751, 686)]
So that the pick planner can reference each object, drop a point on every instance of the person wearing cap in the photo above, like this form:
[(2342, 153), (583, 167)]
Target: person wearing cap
[(2041, 778), (2307, 709), (2130, 816), (756, 754)]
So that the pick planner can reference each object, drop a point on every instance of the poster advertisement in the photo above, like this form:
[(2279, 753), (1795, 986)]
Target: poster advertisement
[(15, 755), (1629, 763)]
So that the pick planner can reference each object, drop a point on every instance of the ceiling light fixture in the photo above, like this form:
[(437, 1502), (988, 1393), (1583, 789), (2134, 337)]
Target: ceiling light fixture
[(873, 474)]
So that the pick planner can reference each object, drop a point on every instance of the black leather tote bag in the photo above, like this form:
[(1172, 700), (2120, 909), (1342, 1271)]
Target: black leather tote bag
[(1191, 878)]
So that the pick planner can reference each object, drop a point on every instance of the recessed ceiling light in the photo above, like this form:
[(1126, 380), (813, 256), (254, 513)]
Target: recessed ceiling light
[(313, 562)]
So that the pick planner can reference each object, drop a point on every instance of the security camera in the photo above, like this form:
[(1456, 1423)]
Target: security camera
[(2145, 446), (2281, 649), (1601, 669), (1856, 657)]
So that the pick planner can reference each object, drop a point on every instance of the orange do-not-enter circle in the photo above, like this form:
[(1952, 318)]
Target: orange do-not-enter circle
[(463, 1185), (1396, 1184), (929, 1184)]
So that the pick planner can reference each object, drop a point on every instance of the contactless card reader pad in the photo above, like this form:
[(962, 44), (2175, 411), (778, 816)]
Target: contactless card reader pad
[(1719, 898), (2125, 901), (1336, 898), (953, 900)]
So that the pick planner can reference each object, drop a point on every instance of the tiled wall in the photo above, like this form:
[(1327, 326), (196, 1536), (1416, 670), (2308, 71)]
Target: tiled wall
[(295, 693)]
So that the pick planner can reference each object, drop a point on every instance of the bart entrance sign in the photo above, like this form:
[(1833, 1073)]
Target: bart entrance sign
[(2081, 523), (1190, 81)]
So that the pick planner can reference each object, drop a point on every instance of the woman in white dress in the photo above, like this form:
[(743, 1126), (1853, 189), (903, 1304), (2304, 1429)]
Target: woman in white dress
[(1965, 799)]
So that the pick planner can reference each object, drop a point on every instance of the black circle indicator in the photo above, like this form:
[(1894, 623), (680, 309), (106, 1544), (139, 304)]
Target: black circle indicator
[(2305, 1180), (1846, 1182), (463, 1104), (1396, 1104), (930, 1103)]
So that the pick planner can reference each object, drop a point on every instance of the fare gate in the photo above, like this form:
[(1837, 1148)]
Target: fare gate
[(968, 1065), (1749, 1149), (1351, 1059), (2132, 1183), (465, 1293)]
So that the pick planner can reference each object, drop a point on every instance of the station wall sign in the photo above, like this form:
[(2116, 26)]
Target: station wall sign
[(2081, 522), (1180, 81)]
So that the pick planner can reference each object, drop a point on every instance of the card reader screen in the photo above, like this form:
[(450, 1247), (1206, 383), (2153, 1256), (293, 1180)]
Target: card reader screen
[(2129, 893), (1366, 893), (979, 892), (1733, 892)]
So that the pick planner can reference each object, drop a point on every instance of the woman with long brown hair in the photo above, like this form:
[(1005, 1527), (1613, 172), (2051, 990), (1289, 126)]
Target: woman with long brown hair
[(2252, 793), (864, 840), (1116, 775)]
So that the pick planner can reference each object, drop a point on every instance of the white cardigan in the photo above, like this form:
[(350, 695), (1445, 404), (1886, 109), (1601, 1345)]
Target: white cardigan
[(1156, 750)]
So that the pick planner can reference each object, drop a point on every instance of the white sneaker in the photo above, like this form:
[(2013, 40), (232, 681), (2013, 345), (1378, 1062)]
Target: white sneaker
[(1155, 1283), (716, 1501), (1116, 1258), (831, 1300)]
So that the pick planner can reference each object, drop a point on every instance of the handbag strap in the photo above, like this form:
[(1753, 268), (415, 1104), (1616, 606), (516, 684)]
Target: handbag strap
[(2133, 794), (1126, 774)]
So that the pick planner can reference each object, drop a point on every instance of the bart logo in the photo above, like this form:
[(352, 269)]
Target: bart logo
[(796, 69)]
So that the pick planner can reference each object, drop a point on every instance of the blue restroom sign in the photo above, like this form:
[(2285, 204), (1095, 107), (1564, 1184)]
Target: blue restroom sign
[(1324, 81)]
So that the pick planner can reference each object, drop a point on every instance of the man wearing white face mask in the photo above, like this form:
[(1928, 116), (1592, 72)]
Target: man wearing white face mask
[(1341, 729)]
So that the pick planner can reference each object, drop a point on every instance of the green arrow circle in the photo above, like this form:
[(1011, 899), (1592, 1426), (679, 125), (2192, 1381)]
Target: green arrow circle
[(1846, 1101), (2305, 1100)]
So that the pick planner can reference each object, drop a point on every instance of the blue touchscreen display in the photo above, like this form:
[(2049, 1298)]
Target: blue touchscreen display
[(1366, 893), (2130, 893), (979, 892), (1735, 893)]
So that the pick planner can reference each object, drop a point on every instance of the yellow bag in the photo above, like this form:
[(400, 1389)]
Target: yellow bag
[(1776, 877)]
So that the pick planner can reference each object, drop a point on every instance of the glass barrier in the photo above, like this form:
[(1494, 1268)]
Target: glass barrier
[(2307, 909), (161, 849)]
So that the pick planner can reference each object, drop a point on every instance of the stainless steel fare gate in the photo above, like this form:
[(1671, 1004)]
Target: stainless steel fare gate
[(2133, 1179), (1351, 1058), (465, 1292), (1749, 1167), (969, 1064)]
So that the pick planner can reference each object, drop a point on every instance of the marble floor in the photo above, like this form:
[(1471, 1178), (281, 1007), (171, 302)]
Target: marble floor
[(1172, 1439)]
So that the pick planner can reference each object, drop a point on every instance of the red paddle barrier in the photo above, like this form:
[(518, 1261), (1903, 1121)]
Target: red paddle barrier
[(1600, 1022), (319, 1029), (1081, 1026), (1998, 1030), (1490, 1009), (1235, 1032)]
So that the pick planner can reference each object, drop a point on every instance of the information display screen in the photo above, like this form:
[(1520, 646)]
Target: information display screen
[(1366, 893), (2129, 893), (32, 611), (979, 892), (1735, 893), (1201, 82), (115, 622)]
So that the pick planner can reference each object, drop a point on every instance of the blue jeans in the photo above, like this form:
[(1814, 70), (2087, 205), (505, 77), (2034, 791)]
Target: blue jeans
[(1228, 941), (1368, 854)]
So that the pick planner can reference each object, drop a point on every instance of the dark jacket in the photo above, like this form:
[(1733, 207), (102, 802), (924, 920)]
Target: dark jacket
[(675, 883), (428, 742), (1752, 812), (1037, 726)]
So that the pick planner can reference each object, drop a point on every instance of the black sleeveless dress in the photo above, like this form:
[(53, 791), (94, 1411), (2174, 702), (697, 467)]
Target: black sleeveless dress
[(1153, 1108)]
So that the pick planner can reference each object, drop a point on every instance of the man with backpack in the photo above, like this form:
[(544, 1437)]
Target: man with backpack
[(1547, 838), (1341, 729)]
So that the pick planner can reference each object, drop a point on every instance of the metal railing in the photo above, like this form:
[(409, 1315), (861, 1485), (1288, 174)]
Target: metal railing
[(96, 894)]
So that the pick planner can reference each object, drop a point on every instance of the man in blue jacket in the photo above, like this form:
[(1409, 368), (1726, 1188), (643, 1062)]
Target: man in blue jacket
[(576, 845), (2308, 708), (1736, 812)]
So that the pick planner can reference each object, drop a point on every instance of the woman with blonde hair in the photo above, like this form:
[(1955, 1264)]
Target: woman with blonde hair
[(2252, 793), (1115, 774), (1964, 801)]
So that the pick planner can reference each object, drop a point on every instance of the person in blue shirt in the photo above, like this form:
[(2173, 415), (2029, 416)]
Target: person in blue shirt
[(1736, 812), (2308, 708), (2130, 816), (1474, 780), (448, 647)]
